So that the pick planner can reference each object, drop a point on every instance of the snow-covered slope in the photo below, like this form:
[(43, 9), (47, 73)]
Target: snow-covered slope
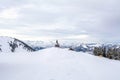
[(8, 44), (57, 64)]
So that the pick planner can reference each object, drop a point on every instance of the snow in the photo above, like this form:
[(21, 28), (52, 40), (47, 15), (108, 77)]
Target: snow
[(6, 48), (51, 43), (57, 64), (4, 45)]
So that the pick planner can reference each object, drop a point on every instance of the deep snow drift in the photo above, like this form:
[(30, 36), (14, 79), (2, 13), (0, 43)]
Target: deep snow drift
[(57, 64)]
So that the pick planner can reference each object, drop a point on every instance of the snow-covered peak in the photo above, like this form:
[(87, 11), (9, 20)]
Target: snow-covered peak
[(8, 44)]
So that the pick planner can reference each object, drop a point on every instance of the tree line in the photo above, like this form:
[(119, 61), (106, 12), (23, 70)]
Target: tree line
[(111, 53)]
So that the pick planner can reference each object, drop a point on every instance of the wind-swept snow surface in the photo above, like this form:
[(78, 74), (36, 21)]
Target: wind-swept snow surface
[(57, 64)]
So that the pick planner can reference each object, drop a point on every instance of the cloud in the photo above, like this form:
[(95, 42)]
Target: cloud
[(10, 13), (78, 36), (78, 19)]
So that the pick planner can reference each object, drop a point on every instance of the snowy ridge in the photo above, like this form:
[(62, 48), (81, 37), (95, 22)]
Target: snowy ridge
[(57, 64), (8, 44)]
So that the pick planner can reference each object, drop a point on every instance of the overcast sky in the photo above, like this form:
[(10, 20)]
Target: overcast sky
[(86, 20)]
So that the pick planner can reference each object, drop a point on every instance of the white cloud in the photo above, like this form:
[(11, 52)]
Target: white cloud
[(73, 19), (14, 12), (7, 32), (10, 13), (84, 36), (17, 34)]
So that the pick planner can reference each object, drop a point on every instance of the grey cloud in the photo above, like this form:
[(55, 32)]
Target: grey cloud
[(100, 19)]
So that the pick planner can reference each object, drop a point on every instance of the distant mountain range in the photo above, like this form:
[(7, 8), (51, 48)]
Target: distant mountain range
[(75, 45), (8, 44)]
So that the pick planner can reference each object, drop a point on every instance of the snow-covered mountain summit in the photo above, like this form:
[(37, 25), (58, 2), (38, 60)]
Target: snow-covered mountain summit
[(8, 44)]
